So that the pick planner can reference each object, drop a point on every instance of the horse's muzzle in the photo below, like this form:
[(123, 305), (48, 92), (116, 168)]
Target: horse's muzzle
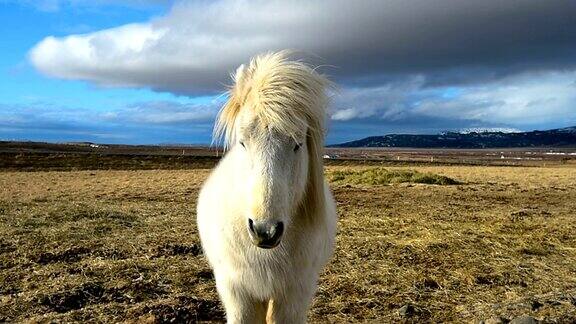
[(265, 234)]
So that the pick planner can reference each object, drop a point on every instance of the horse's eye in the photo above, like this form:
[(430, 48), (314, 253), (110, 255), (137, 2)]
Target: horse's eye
[(297, 147), (242, 143)]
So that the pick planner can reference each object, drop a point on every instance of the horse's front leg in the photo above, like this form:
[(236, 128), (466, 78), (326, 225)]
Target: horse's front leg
[(291, 307), (240, 307)]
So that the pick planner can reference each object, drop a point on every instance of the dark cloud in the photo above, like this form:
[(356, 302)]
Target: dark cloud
[(452, 42)]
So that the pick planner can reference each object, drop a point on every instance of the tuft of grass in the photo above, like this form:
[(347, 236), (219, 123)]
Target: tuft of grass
[(382, 176)]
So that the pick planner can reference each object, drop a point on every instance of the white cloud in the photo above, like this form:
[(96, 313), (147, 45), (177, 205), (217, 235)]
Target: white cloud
[(388, 101), (98, 55), (165, 113), (141, 122), (521, 100), (525, 100)]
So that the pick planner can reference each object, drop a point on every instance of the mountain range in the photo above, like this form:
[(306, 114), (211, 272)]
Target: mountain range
[(561, 137)]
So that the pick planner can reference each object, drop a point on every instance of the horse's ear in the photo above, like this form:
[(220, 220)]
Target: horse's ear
[(239, 75), (238, 90), (237, 93), (226, 120)]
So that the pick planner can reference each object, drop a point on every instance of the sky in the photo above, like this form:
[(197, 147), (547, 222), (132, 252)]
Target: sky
[(154, 71)]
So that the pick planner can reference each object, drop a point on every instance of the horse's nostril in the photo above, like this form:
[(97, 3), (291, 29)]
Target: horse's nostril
[(278, 229), (265, 234)]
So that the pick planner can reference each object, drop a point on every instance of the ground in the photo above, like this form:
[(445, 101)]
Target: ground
[(123, 246)]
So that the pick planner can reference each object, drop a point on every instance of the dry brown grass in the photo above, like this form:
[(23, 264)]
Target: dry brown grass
[(122, 246)]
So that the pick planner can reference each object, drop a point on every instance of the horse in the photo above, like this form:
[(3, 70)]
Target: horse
[(266, 216)]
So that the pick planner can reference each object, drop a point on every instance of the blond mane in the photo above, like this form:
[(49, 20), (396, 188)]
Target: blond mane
[(286, 95)]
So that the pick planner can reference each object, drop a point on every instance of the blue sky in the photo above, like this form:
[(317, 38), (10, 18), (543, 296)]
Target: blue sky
[(155, 69)]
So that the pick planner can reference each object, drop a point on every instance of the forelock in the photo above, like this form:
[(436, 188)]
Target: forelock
[(284, 94)]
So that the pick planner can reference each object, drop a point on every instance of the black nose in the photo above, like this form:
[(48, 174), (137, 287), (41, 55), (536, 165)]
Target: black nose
[(265, 234)]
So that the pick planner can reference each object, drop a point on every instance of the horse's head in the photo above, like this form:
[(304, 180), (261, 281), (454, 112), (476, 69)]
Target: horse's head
[(273, 123), (275, 166)]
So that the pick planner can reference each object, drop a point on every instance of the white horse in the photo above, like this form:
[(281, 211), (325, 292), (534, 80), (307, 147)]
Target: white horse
[(266, 217)]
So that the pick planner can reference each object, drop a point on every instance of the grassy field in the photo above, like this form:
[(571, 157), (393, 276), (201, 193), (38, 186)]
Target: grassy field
[(123, 246)]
